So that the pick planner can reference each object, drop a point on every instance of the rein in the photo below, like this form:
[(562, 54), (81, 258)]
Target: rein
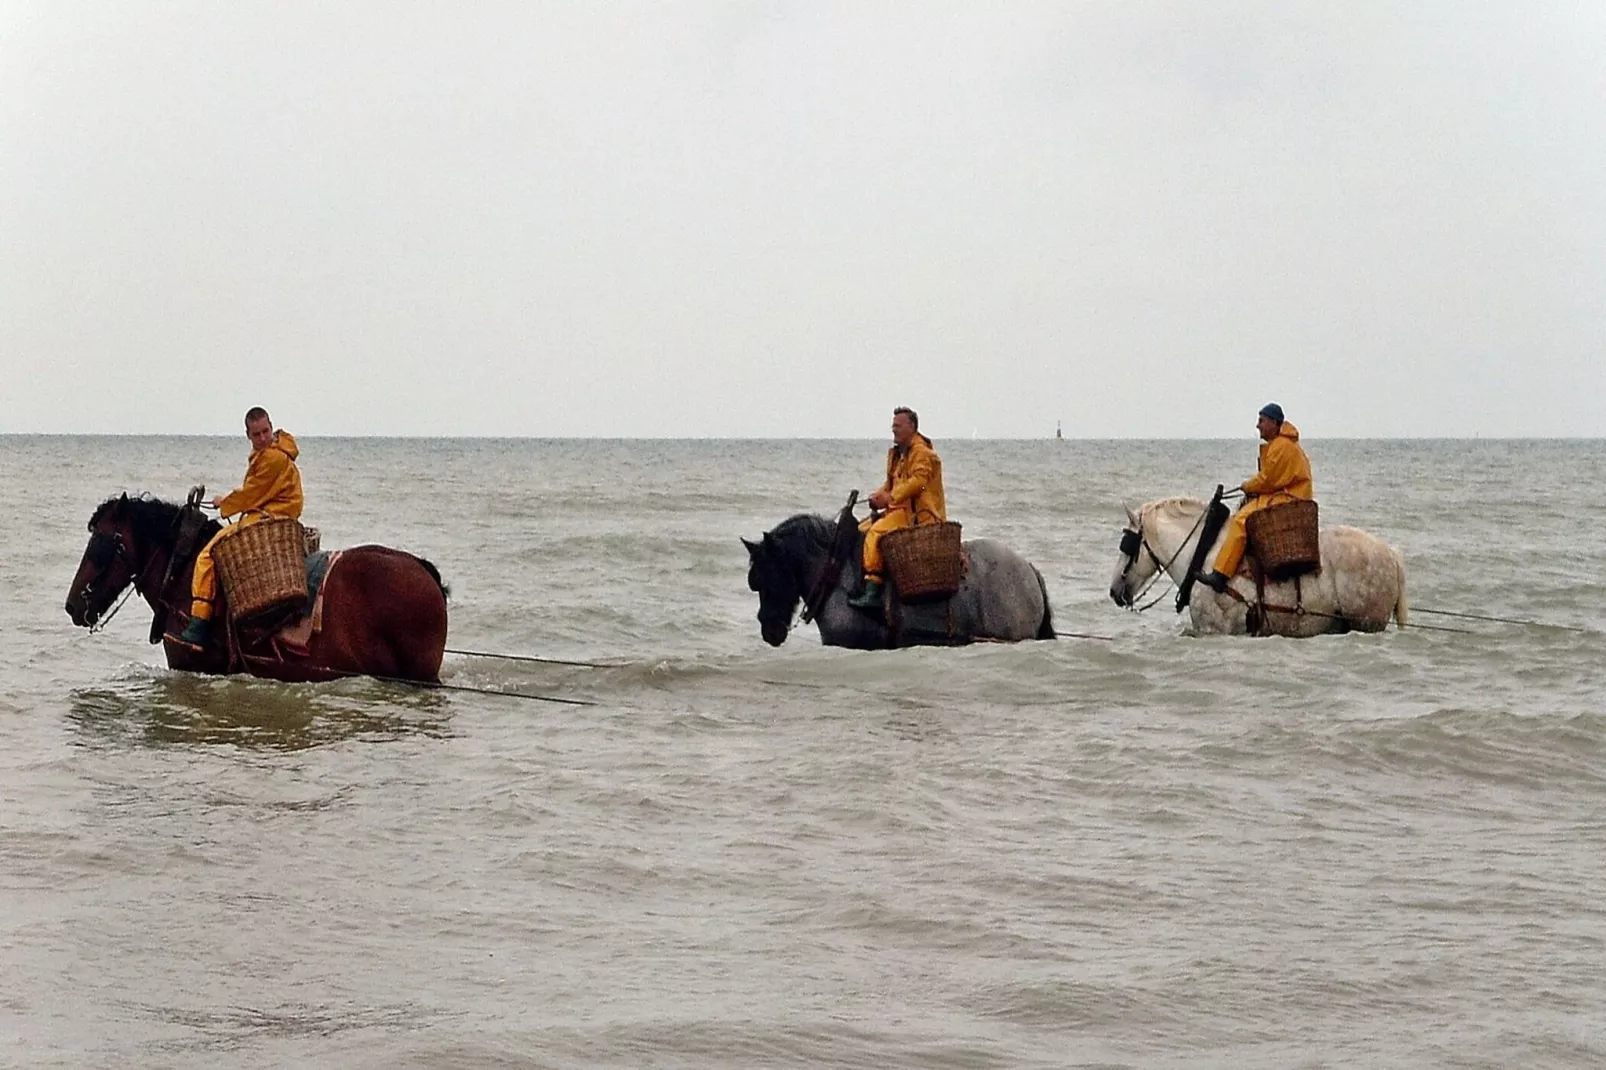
[(814, 601), (120, 553), (825, 582), (137, 575), (1163, 569), (100, 624)]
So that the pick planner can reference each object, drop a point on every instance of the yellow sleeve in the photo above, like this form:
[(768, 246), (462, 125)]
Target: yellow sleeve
[(914, 481), (261, 477), (886, 484), (1277, 473)]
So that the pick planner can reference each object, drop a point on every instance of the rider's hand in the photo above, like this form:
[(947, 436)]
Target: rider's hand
[(880, 499)]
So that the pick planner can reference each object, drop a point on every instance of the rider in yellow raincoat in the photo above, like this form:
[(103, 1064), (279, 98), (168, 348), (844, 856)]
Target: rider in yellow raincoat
[(912, 494), (1284, 475), (272, 488)]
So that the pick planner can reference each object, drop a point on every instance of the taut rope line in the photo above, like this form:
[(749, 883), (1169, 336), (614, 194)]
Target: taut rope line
[(532, 658), (1499, 620)]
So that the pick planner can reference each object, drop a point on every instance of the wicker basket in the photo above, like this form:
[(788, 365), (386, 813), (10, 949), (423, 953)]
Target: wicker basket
[(1284, 540), (924, 562), (263, 566)]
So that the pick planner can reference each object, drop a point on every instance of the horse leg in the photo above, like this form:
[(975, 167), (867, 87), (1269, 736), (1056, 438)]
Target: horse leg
[(414, 629), (419, 650)]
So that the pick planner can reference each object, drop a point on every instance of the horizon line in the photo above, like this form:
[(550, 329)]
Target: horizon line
[(1477, 437)]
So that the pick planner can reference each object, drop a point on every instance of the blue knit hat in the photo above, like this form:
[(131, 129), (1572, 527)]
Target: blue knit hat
[(1274, 411)]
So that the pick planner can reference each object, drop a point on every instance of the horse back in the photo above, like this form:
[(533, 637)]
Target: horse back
[(408, 583), (1000, 596)]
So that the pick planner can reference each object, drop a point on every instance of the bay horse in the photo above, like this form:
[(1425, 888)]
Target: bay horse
[(807, 559), (383, 615), (1360, 585)]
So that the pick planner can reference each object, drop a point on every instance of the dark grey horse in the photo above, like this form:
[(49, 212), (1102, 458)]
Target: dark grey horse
[(809, 559)]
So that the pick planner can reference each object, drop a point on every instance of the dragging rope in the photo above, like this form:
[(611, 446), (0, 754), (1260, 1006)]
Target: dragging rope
[(531, 658), (424, 685), (1497, 620), (482, 691), (1416, 627)]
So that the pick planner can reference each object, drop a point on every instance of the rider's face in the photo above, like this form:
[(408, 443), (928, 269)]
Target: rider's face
[(1267, 427), (260, 432), (903, 428)]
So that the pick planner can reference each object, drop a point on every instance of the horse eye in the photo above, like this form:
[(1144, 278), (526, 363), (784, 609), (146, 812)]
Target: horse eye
[(100, 551)]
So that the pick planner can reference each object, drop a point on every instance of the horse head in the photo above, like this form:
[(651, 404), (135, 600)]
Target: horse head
[(1157, 536), (108, 565), (771, 574), (131, 541), (1135, 567)]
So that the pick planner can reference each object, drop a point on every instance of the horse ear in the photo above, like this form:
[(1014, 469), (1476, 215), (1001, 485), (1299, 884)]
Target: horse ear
[(1131, 515), (752, 547)]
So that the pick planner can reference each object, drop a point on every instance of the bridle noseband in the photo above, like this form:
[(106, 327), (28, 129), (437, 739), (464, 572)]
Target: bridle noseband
[(104, 548), (1134, 541)]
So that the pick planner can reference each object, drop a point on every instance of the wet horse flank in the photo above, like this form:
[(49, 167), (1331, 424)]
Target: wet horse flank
[(808, 559), (384, 610)]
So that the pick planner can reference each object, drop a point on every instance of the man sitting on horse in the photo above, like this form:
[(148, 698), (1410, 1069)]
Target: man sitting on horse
[(272, 488), (912, 494), (1284, 475)]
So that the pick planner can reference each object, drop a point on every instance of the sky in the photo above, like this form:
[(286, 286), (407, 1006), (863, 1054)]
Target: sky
[(778, 219)]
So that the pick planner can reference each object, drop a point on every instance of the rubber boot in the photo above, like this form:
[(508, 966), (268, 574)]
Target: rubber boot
[(1214, 580), (869, 598), (194, 634)]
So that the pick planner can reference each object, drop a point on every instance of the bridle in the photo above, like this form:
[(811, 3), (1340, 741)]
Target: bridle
[(815, 594), (104, 548), (1134, 541)]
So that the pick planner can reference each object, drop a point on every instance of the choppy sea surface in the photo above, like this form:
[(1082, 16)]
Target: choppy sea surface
[(1154, 851)]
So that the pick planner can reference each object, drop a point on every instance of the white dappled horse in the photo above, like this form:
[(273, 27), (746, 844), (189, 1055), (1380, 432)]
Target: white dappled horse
[(1360, 585)]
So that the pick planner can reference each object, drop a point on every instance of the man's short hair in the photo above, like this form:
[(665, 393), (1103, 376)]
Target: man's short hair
[(255, 413), (914, 417)]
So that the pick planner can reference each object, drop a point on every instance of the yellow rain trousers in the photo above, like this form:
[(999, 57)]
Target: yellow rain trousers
[(1284, 476), (272, 488), (914, 482)]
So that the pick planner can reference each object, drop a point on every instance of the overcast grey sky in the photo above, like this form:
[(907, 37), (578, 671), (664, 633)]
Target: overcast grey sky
[(781, 219)]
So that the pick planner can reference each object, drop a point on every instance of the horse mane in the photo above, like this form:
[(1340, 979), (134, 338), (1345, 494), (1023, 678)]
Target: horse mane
[(806, 526), (152, 519), (1177, 507)]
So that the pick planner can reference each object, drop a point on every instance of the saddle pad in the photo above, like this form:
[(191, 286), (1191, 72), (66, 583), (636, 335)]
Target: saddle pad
[(299, 632)]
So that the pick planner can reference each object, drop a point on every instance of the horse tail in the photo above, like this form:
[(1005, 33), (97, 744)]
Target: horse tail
[(1045, 629), (434, 574), (1401, 609)]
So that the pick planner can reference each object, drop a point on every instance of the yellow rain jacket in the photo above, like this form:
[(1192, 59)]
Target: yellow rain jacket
[(1284, 468), (272, 483), (1284, 476), (914, 483), (272, 487)]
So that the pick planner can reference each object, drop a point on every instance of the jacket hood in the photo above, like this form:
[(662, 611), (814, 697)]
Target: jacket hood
[(1288, 430), (287, 442)]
